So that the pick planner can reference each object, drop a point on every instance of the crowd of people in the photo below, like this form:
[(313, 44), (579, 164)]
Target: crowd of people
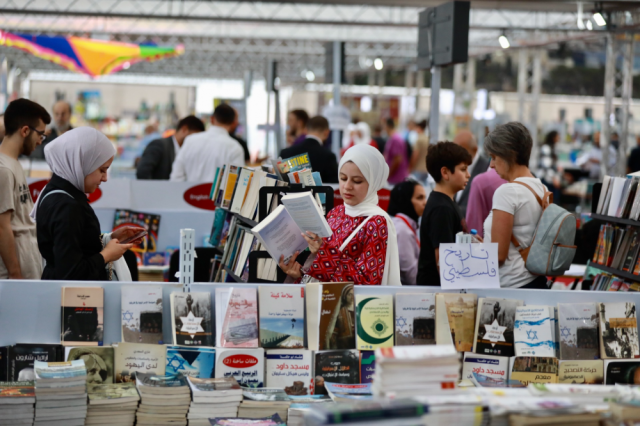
[(438, 191)]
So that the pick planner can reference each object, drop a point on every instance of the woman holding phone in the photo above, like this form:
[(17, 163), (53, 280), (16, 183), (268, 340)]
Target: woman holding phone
[(68, 230), (363, 248)]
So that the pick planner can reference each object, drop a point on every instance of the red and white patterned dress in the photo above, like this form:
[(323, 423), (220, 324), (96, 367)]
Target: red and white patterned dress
[(362, 262)]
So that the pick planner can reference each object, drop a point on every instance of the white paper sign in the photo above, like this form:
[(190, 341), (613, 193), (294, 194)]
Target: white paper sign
[(464, 266)]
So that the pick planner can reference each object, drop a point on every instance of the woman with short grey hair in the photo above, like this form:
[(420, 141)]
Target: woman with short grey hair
[(516, 207)]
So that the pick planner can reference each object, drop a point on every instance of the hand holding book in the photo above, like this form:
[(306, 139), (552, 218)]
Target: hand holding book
[(291, 267), (314, 241)]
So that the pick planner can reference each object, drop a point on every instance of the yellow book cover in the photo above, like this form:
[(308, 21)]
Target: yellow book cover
[(461, 312), (586, 372), (374, 322), (534, 369), (231, 184)]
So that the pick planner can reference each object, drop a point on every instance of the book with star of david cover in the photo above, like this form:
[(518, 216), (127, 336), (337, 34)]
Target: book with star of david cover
[(374, 322), (533, 331), (191, 319), (134, 358), (240, 326), (142, 314), (415, 319), (578, 331), (191, 361), (494, 326)]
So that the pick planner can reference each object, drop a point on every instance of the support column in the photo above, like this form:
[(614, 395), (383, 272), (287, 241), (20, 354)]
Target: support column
[(419, 86), (470, 83), (627, 91), (522, 81), (337, 82), (536, 84), (458, 89), (609, 88), (434, 120)]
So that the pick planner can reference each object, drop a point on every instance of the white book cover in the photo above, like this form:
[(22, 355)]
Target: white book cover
[(280, 234), (222, 296), (578, 327), (245, 365), (244, 179), (307, 214), (291, 370), (490, 367), (142, 314), (533, 335), (281, 316), (616, 194), (251, 199), (415, 319), (606, 181)]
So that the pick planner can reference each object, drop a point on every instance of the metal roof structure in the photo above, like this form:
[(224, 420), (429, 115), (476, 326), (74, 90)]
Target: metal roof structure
[(224, 38)]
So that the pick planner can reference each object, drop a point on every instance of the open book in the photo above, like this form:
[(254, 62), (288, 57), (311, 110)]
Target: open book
[(281, 232)]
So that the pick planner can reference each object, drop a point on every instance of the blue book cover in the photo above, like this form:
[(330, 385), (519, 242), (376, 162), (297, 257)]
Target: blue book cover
[(191, 361), (533, 332), (367, 366), (318, 180), (218, 224)]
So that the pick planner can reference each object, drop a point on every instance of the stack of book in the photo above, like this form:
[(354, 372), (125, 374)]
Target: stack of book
[(264, 402), (300, 405), (379, 412), (61, 393), (164, 399), (405, 371), (213, 398), (608, 282), (16, 403), (618, 248), (113, 404), (619, 197)]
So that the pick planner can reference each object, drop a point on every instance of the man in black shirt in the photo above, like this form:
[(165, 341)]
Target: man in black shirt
[(447, 163)]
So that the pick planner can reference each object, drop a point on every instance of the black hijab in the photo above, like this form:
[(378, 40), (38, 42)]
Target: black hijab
[(400, 200)]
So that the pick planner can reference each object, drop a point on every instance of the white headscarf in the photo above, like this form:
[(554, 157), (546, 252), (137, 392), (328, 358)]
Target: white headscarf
[(375, 170), (365, 134), (76, 154)]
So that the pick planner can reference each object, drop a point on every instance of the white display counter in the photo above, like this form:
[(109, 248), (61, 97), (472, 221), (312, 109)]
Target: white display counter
[(30, 310)]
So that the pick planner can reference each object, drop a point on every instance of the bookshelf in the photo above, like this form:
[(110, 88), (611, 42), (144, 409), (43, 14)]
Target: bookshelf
[(614, 219), (617, 272)]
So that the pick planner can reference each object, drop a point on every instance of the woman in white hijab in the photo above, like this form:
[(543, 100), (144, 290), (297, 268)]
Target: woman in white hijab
[(363, 248), (68, 230)]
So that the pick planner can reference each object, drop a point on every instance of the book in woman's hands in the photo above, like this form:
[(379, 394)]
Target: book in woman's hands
[(281, 232)]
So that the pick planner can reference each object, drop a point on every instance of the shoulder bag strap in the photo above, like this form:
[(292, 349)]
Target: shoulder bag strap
[(543, 202), (56, 191)]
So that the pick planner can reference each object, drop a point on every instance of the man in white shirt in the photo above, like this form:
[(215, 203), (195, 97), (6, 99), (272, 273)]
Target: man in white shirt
[(202, 153)]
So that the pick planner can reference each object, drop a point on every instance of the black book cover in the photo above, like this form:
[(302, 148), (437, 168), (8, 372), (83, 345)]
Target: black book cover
[(4, 363), (23, 355), (622, 372), (336, 367)]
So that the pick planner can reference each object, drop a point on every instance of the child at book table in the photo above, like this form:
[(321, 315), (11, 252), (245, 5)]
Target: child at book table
[(363, 248)]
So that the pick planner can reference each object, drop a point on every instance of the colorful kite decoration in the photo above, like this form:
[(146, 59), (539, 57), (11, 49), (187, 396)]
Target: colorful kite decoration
[(85, 55)]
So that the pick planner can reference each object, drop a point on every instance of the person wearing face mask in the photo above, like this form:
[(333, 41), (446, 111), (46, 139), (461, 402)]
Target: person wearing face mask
[(68, 230), (406, 205), (363, 248)]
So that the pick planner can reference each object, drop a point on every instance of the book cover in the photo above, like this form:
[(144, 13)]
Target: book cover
[(191, 361), (291, 370), (142, 314), (230, 185), (227, 386), (133, 358), (281, 317), (533, 369), (21, 391), (415, 319), (374, 322), (150, 222), (494, 327), (273, 420), (490, 368), (578, 326), (23, 355), (443, 328), (533, 333), (239, 195), (154, 380), (240, 327), (117, 392), (618, 330), (97, 361), (336, 367), (294, 164), (586, 372), (461, 313), (623, 372), (246, 365), (632, 252), (367, 366), (337, 317), (191, 319), (82, 316)]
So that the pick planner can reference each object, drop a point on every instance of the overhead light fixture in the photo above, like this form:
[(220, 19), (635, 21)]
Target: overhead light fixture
[(589, 25), (599, 19), (310, 75), (378, 64), (504, 42)]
